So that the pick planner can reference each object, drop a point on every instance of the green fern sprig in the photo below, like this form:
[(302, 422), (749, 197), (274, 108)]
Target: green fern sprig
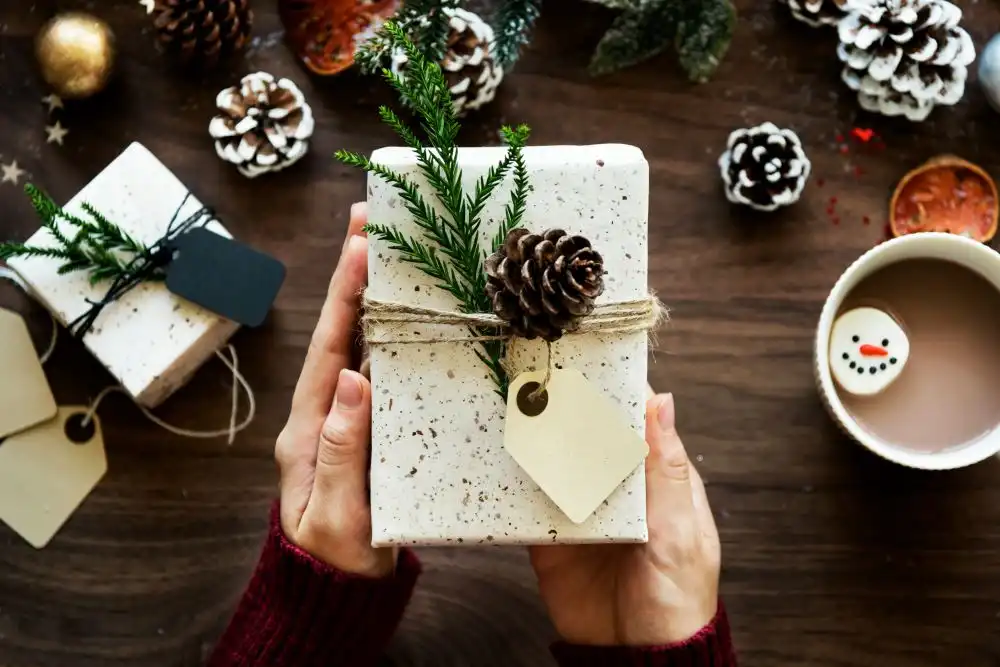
[(451, 251), (97, 246)]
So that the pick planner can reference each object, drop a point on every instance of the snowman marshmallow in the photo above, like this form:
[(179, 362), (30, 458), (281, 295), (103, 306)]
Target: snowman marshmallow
[(868, 350)]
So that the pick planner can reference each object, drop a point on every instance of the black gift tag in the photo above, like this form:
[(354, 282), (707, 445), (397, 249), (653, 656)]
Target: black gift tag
[(224, 276)]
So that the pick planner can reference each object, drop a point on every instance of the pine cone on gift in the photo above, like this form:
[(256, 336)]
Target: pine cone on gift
[(816, 12), (469, 66), (764, 167), (202, 32), (263, 124), (543, 285), (904, 56)]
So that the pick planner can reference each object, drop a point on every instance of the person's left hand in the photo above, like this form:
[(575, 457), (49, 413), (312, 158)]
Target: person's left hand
[(322, 452)]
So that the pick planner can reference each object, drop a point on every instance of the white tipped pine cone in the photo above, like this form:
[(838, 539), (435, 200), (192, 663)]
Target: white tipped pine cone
[(263, 124), (904, 57), (816, 12), (764, 167), (468, 64)]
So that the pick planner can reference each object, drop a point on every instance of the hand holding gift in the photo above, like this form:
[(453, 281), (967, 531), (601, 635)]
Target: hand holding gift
[(649, 594), (322, 452)]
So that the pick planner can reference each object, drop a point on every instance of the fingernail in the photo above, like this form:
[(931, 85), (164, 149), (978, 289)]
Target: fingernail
[(349, 390), (665, 413), (355, 209)]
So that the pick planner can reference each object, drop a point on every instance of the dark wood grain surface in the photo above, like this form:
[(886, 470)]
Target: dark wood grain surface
[(831, 556)]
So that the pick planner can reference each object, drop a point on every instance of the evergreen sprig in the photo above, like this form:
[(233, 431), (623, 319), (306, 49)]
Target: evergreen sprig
[(425, 23), (450, 223), (514, 21), (96, 246), (698, 30)]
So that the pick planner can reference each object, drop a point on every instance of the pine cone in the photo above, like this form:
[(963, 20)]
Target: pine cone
[(469, 66), (202, 32), (263, 125), (764, 167), (904, 56), (544, 284), (816, 12)]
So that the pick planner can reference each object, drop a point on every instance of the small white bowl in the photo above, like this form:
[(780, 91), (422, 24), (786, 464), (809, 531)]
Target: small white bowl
[(924, 245)]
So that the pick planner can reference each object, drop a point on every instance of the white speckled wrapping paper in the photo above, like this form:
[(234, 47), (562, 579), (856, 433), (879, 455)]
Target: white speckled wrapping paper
[(439, 471), (150, 340)]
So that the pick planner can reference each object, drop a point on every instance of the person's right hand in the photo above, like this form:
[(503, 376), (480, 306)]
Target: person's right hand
[(652, 594), (323, 450)]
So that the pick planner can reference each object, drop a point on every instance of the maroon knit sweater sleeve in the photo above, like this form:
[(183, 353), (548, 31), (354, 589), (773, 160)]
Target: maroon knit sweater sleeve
[(299, 612), (711, 647)]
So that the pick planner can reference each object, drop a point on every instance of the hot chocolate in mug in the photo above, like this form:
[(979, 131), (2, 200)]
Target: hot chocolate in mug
[(907, 351)]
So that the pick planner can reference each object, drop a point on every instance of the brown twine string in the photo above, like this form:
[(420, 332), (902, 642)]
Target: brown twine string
[(384, 323)]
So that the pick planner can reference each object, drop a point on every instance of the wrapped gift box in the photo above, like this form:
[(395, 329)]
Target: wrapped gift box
[(439, 472), (150, 340)]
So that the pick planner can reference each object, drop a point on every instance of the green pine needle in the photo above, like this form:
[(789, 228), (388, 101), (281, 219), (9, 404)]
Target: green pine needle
[(98, 246), (450, 251)]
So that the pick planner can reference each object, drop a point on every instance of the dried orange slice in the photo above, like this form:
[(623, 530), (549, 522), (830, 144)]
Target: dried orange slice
[(946, 194), (325, 33)]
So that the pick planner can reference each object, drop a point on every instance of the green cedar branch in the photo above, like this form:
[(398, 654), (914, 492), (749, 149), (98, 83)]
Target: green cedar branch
[(451, 252), (97, 246), (699, 30)]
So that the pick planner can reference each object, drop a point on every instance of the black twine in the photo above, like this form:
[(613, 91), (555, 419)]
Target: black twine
[(150, 265)]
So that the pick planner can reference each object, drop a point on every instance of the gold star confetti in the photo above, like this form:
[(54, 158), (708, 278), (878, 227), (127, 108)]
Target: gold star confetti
[(56, 133), (150, 5), (11, 172), (53, 102)]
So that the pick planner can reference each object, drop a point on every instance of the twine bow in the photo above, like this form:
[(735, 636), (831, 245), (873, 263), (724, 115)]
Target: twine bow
[(149, 265)]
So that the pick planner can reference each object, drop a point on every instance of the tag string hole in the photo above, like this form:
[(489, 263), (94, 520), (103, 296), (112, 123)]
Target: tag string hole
[(529, 403), (79, 428)]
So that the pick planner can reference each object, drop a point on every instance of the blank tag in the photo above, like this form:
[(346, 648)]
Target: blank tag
[(47, 471), (572, 440), (224, 276), (25, 396)]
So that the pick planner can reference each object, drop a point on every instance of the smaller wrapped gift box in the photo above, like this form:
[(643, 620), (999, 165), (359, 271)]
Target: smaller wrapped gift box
[(440, 474), (150, 340)]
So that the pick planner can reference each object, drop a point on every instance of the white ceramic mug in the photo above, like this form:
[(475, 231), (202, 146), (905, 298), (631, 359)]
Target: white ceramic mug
[(925, 245)]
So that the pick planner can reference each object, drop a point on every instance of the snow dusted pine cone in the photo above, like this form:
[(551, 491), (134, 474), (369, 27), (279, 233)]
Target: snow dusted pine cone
[(816, 12), (904, 56), (263, 125), (764, 167), (468, 64), (543, 285)]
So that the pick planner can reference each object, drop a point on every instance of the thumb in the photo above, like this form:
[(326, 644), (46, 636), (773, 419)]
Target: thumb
[(668, 470), (342, 456)]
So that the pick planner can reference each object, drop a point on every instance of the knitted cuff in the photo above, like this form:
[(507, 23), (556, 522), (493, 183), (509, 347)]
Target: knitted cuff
[(299, 612), (710, 647)]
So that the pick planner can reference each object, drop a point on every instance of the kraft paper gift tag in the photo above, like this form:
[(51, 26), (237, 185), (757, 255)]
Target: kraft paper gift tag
[(572, 440), (25, 396), (47, 471)]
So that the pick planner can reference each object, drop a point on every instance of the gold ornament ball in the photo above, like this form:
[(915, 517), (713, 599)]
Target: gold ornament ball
[(76, 52)]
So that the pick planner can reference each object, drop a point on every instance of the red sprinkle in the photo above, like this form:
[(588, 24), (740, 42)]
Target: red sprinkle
[(819, 182), (865, 220), (840, 138), (863, 135), (833, 200)]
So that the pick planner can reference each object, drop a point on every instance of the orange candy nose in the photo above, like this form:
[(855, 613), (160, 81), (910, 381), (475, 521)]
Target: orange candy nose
[(873, 351)]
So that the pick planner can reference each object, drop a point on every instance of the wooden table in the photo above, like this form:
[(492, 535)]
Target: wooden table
[(831, 556)]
